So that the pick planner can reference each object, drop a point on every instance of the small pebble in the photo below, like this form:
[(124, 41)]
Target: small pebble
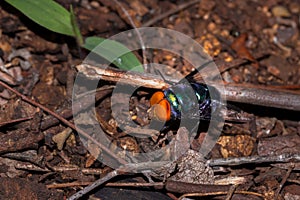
[(294, 7), (273, 70), (280, 11), (95, 4)]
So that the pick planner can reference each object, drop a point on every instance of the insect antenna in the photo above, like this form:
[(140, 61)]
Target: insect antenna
[(191, 75), (157, 71)]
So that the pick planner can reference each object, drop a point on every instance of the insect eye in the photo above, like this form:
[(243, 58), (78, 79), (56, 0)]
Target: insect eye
[(156, 98), (162, 110)]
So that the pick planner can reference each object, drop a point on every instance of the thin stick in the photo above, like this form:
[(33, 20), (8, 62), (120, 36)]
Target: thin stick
[(277, 192), (80, 183), (184, 187), (294, 181), (219, 193), (84, 102), (253, 160), (100, 181), (285, 87), (65, 185), (161, 184), (117, 75), (231, 192), (166, 14), (116, 172), (66, 122), (225, 66), (246, 93), (263, 96), (15, 120)]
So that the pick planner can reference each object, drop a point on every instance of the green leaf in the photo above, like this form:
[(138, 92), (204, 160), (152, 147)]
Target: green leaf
[(76, 30), (46, 13), (114, 52)]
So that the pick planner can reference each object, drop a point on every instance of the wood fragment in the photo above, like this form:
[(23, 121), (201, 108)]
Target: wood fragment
[(283, 181), (246, 93), (19, 140), (253, 160)]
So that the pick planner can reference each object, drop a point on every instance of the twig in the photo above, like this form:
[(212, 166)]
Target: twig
[(117, 75), (171, 186), (294, 181), (15, 120), (116, 172), (263, 96), (160, 184), (172, 196), (166, 14), (5, 75), (277, 192), (191, 189), (26, 156), (231, 180), (230, 192), (256, 95), (285, 87), (100, 181), (137, 32), (66, 122), (219, 193), (183, 187), (30, 167), (222, 67), (140, 131), (77, 169), (83, 102), (253, 160), (64, 185), (225, 66)]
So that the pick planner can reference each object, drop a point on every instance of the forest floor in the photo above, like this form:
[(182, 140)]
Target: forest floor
[(257, 41)]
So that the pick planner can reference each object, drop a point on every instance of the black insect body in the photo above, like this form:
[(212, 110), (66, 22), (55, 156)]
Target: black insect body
[(186, 101)]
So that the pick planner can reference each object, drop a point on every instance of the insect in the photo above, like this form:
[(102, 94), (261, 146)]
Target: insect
[(186, 100)]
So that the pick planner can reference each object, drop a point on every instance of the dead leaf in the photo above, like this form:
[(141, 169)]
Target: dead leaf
[(95, 151), (239, 46), (61, 137)]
